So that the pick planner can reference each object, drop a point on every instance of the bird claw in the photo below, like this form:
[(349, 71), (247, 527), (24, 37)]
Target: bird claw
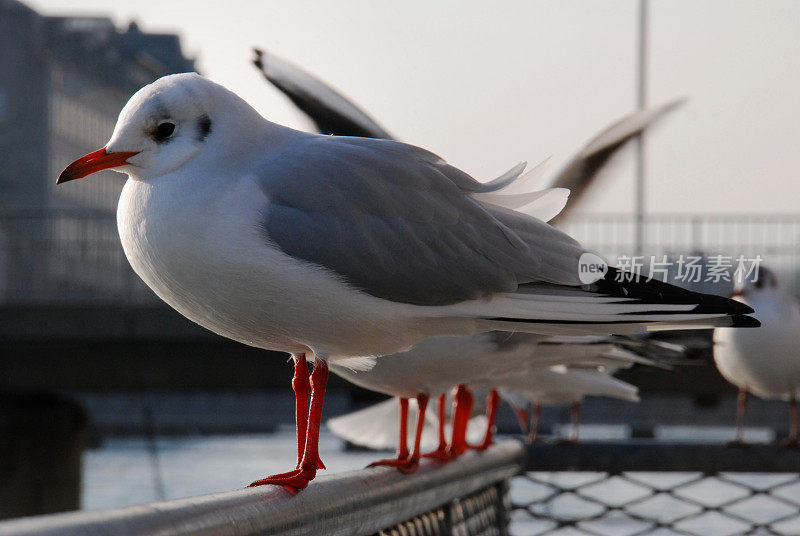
[(405, 465), (297, 479)]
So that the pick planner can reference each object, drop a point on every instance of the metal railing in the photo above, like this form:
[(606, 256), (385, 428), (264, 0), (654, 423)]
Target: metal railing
[(639, 488), (74, 257), (461, 498), (594, 489)]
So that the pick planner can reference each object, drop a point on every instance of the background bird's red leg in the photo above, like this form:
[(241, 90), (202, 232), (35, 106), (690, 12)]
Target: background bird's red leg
[(462, 402), (402, 448), (412, 463), (300, 477), (492, 402), (441, 450), (523, 419)]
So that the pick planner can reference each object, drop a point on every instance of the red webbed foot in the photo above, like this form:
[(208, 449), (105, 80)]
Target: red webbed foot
[(405, 466), (297, 479)]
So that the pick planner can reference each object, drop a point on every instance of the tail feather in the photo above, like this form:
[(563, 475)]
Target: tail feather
[(612, 305)]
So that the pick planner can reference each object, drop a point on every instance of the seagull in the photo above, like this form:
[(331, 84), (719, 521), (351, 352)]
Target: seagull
[(562, 386), (340, 249), (485, 361), (764, 361), (375, 427), (521, 366)]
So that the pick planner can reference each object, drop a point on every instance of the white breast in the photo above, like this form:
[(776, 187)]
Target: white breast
[(764, 360), (198, 245)]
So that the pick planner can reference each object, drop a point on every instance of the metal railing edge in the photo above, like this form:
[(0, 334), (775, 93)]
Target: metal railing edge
[(353, 503)]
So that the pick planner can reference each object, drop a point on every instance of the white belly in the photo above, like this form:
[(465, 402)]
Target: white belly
[(212, 264)]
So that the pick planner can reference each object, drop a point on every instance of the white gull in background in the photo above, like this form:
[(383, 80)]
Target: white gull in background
[(764, 361), (376, 427), (485, 361), (562, 386), (331, 247)]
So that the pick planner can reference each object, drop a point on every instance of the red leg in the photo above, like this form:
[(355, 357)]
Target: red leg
[(402, 448), (492, 402), (410, 462), (422, 405), (300, 477), (441, 451), (523, 419), (462, 412), (301, 389)]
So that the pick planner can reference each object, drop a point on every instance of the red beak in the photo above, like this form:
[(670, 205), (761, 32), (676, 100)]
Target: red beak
[(92, 162)]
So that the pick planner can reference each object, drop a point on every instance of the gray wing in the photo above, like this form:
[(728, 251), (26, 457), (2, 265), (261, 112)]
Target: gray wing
[(397, 222)]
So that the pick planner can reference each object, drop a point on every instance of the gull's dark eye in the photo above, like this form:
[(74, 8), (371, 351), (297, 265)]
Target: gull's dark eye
[(163, 131)]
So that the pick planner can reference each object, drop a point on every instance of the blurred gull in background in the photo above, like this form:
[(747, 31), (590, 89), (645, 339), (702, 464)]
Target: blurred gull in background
[(763, 361)]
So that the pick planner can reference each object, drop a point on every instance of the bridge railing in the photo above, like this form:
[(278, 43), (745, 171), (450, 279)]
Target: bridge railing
[(465, 497), (634, 487)]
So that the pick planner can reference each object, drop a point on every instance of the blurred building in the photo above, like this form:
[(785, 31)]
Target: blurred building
[(63, 81)]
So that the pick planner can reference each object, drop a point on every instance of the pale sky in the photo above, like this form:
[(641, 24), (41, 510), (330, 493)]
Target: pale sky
[(487, 86)]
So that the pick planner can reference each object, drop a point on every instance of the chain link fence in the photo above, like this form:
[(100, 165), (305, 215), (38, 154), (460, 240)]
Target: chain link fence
[(719, 504), (484, 513), (760, 495)]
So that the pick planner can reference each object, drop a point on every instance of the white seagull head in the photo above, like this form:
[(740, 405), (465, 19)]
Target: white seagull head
[(165, 125)]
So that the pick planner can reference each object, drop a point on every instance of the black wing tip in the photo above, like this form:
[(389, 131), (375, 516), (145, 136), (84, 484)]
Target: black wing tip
[(744, 321), (711, 303), (257, 61), (656, 291)]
